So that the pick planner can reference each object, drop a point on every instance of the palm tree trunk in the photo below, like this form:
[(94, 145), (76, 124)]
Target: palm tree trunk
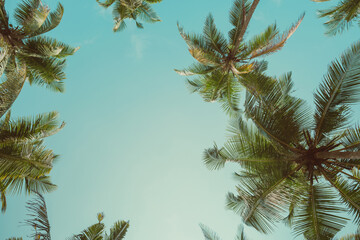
[(339, 155)]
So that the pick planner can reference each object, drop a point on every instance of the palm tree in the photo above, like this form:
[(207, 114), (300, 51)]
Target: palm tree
[(223, 65), (342, 16), (25, 44), (97, 231), (39, 222), (298, 169), (211, 235), (131, 9), (24, 161)]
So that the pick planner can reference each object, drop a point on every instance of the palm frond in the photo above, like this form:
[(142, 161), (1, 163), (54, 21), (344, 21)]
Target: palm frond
[(262, 200), (237, 16), (208, 233), (94, 232), (275, 44), (47, 47), (106, 3), (341, 17), (48, 71), (341, 87), (146, 13), (27, 129), (195, 69), (213, 37), (118, 231), (31, 15), (318, 216), (51, 22), (11, 86), (349, 194), (38, 218)]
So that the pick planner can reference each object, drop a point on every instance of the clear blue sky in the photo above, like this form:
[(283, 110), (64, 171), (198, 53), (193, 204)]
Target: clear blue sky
[(134, 138)]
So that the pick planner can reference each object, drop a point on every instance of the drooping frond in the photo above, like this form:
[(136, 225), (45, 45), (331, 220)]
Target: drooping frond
[(318, 215), (342, 16), (349, 194), (46, 47), (38, 218), (28, 129), (146, 13), (262, 198), (340, 88), (47, 71)]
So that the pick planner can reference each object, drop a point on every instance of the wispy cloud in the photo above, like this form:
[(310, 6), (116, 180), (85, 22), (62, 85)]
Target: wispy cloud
[(138, 43)]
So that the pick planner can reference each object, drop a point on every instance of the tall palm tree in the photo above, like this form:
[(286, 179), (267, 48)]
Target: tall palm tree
[(223, 65), (211, 235), (97, 231), (342, 16), (25, 44), (295, 168), (39, 222), (24, 161), (131, 9)]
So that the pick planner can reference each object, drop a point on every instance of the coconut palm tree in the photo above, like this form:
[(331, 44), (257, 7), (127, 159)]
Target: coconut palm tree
[(296, 168), (97, 231), (25, 43), (342, 16), (223, 65), (25, 163), (39, 222), (131, 9), (211, 235)]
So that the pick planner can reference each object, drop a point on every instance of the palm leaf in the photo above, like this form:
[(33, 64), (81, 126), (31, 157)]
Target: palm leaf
[(118, 231), (51, 22), (38, 218), (11, 86), (340, 88), (317, 217)]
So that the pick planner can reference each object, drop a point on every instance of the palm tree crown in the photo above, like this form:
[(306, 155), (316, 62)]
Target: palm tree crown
[(39, 222), (131, 9), (224, 64), (342, 16), (298, 169), (25, 44), (97, 231)]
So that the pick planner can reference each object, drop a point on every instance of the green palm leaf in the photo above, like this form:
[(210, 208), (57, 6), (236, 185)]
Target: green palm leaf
[(340, 88), (318, 216)]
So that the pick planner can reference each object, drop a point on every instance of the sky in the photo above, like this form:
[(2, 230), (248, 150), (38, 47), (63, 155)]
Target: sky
[(134, 137)]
